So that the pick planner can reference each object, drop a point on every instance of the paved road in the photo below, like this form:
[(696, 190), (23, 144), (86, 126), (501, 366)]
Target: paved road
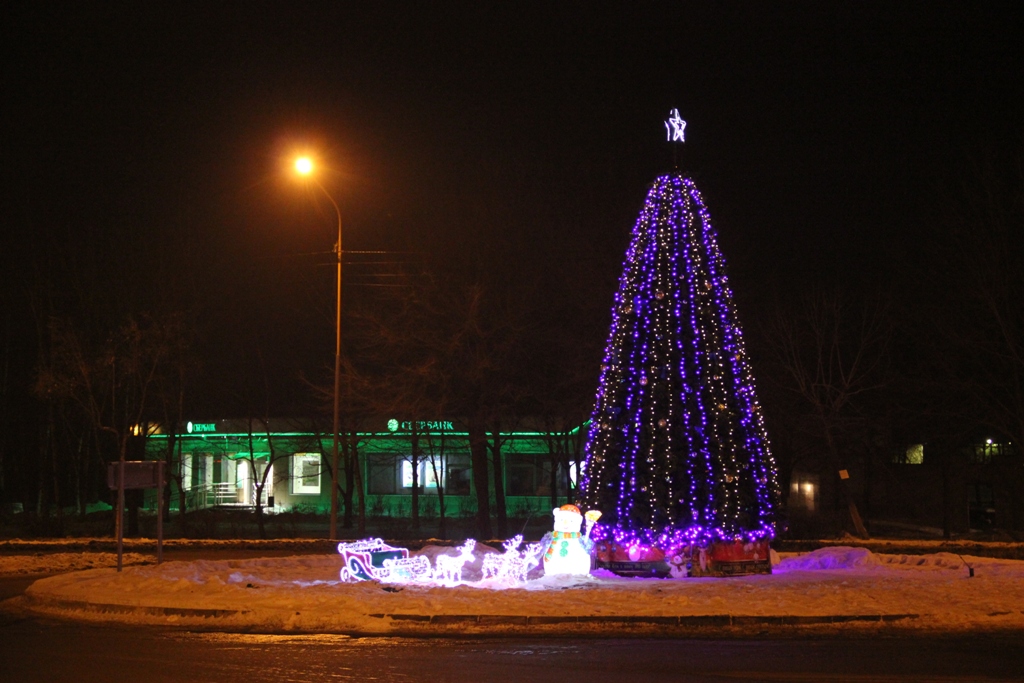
[(44, 650), (13, 586)]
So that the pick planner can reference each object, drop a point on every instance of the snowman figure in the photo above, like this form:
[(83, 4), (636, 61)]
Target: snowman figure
[(677, 568), (566, 551)]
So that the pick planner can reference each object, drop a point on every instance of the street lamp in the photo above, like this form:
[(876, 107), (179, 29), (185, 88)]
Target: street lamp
[(304, 167)]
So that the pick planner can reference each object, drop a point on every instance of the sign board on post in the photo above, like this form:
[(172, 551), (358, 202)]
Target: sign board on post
[(139, 475)]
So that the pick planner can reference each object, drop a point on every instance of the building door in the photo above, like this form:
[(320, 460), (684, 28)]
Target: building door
[(247, 482)]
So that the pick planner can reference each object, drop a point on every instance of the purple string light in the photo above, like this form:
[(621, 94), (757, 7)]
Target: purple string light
[(677, 451)]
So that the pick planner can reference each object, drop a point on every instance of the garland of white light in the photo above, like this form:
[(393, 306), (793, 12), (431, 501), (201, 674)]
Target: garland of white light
[(677, 446)]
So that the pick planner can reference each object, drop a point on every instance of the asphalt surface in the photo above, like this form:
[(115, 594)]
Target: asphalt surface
[(34, 650), (41, 649)]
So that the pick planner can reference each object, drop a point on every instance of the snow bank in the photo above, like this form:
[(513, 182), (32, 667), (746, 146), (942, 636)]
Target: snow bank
[(841, 557)]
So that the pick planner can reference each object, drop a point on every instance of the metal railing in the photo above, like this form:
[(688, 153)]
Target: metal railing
[(212, 495)]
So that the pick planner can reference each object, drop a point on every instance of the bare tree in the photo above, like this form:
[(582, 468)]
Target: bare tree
[(436, 450), (261, 468), (448, 348), (977, 320), (495, 443), (111, 381), (361, 400), (832, 355), (354, 496)]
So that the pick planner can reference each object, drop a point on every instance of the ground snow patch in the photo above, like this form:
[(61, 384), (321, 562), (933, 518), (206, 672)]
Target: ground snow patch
[(304, 592), (562, 582), (839, 557), (52, 563)]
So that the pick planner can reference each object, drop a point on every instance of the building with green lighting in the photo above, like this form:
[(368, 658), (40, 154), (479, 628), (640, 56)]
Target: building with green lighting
[(285, 465)]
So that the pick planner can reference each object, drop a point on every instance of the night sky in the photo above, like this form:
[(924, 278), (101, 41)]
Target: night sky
[(145, 140)]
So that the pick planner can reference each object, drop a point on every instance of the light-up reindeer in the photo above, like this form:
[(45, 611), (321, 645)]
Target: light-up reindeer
[(512, 566), (519, 568), (495, 565), (448, 568)]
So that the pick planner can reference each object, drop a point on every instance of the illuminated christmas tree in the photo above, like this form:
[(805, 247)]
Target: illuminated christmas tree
[(677, 453)]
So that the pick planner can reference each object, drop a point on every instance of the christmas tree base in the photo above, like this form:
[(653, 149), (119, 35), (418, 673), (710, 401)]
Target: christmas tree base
[(731, 558), (719, 559), (631, 561)]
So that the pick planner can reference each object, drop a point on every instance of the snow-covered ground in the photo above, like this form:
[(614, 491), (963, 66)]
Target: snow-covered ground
[(303, 593), (60, 562)]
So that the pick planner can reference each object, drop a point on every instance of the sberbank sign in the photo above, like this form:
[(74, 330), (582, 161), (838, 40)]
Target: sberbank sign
[(201, 427), (421, 426)]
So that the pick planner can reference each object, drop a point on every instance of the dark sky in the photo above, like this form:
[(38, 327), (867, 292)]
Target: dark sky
[(820, 133)]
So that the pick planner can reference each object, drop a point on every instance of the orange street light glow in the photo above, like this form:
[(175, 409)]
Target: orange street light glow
[(303, 165)]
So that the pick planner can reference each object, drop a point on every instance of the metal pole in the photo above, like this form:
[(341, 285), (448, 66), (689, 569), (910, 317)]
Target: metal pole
[(120, 510), (337, 378), (337, 399)]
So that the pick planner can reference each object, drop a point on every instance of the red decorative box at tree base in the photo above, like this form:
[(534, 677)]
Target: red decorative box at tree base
[(631, 560), (721, 558), (731, 558)]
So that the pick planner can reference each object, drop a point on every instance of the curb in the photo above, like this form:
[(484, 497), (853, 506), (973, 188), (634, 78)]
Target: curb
[(147, 610), (477, 621), (711, 620)]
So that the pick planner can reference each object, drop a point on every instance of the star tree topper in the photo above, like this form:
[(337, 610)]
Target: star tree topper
[(675, 128)]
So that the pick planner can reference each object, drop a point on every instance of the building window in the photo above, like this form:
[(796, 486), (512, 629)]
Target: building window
[(985, 452), (914, 454), (803, 492), (198, 470), (425, 477), (530, 474), (391, 474), (306, 473), (383, 473), (457, 475), (522, 478)]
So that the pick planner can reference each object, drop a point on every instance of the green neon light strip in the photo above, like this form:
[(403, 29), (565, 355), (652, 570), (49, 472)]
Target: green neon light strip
[(391, 435)]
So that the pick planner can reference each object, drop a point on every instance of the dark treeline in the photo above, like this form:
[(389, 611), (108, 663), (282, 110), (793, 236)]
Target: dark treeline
[(922, 349), (921, 346)]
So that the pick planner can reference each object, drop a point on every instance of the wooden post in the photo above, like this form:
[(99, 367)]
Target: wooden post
[(160, 512), (120, 510)]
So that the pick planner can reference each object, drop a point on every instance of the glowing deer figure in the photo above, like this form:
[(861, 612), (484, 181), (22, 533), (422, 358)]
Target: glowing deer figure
[(512, 566), (521, 565), (448, 568), (496, 566)]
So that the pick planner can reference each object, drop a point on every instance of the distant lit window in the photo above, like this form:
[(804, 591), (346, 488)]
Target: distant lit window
[(534, 474), (803, 492), (914, 454), (984, 452), (426, 476), (145, 429), (306, 473), (573, 472)]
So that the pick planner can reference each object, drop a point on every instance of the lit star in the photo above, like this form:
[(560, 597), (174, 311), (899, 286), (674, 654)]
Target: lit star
[(675, 128)]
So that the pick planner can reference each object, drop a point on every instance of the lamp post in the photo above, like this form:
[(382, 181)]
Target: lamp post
[(304, 167)]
